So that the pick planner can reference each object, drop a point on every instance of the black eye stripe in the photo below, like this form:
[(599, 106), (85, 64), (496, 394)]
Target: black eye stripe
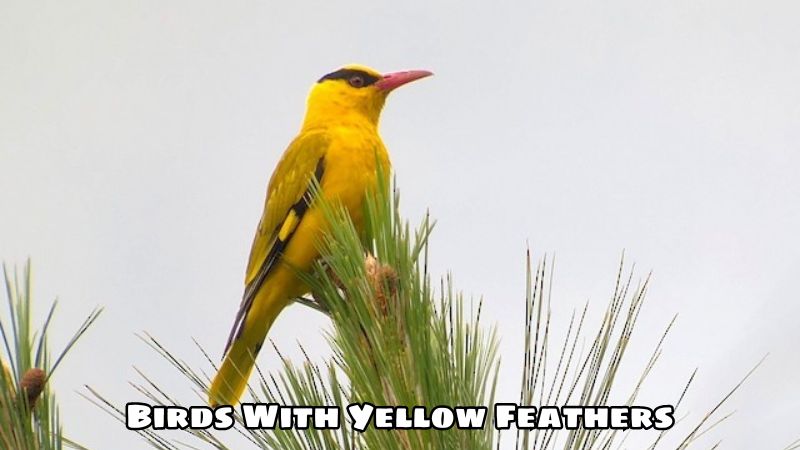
[(345, 74)]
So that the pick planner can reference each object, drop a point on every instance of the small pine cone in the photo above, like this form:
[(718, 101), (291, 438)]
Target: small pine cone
[(384, 281), (371, 264), (33, 383)]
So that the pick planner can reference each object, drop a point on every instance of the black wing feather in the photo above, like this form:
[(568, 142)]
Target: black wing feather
[(299, 209)]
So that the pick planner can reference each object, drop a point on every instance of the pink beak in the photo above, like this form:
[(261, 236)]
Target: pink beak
[(394, 80)]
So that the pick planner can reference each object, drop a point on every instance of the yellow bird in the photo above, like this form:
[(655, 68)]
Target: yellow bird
[(338, 145)]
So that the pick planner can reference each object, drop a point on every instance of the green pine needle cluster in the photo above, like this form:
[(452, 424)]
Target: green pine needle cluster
[(29, 418), (580, 376), (395, 341)]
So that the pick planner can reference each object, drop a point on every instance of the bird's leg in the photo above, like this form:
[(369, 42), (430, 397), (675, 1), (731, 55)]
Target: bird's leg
[(312, 303), (383, 279)]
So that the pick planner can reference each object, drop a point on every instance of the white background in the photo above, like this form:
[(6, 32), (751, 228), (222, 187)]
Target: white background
[(136, 140)]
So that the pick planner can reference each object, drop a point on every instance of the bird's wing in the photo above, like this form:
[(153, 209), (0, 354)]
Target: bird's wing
[(288, 198)]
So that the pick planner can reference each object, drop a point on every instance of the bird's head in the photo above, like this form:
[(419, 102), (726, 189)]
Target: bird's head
[(354, 93)]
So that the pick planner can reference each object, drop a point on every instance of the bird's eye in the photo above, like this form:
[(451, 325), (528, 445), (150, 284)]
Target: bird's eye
[(356, 81)]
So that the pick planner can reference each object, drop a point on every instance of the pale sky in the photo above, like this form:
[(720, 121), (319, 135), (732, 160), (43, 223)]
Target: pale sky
[(137, 138)]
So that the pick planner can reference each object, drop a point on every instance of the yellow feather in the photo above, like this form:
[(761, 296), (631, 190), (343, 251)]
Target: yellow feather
[(339, 140), (288, 226)]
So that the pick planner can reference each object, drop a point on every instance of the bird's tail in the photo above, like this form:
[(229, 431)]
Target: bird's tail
[(231, 379)]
